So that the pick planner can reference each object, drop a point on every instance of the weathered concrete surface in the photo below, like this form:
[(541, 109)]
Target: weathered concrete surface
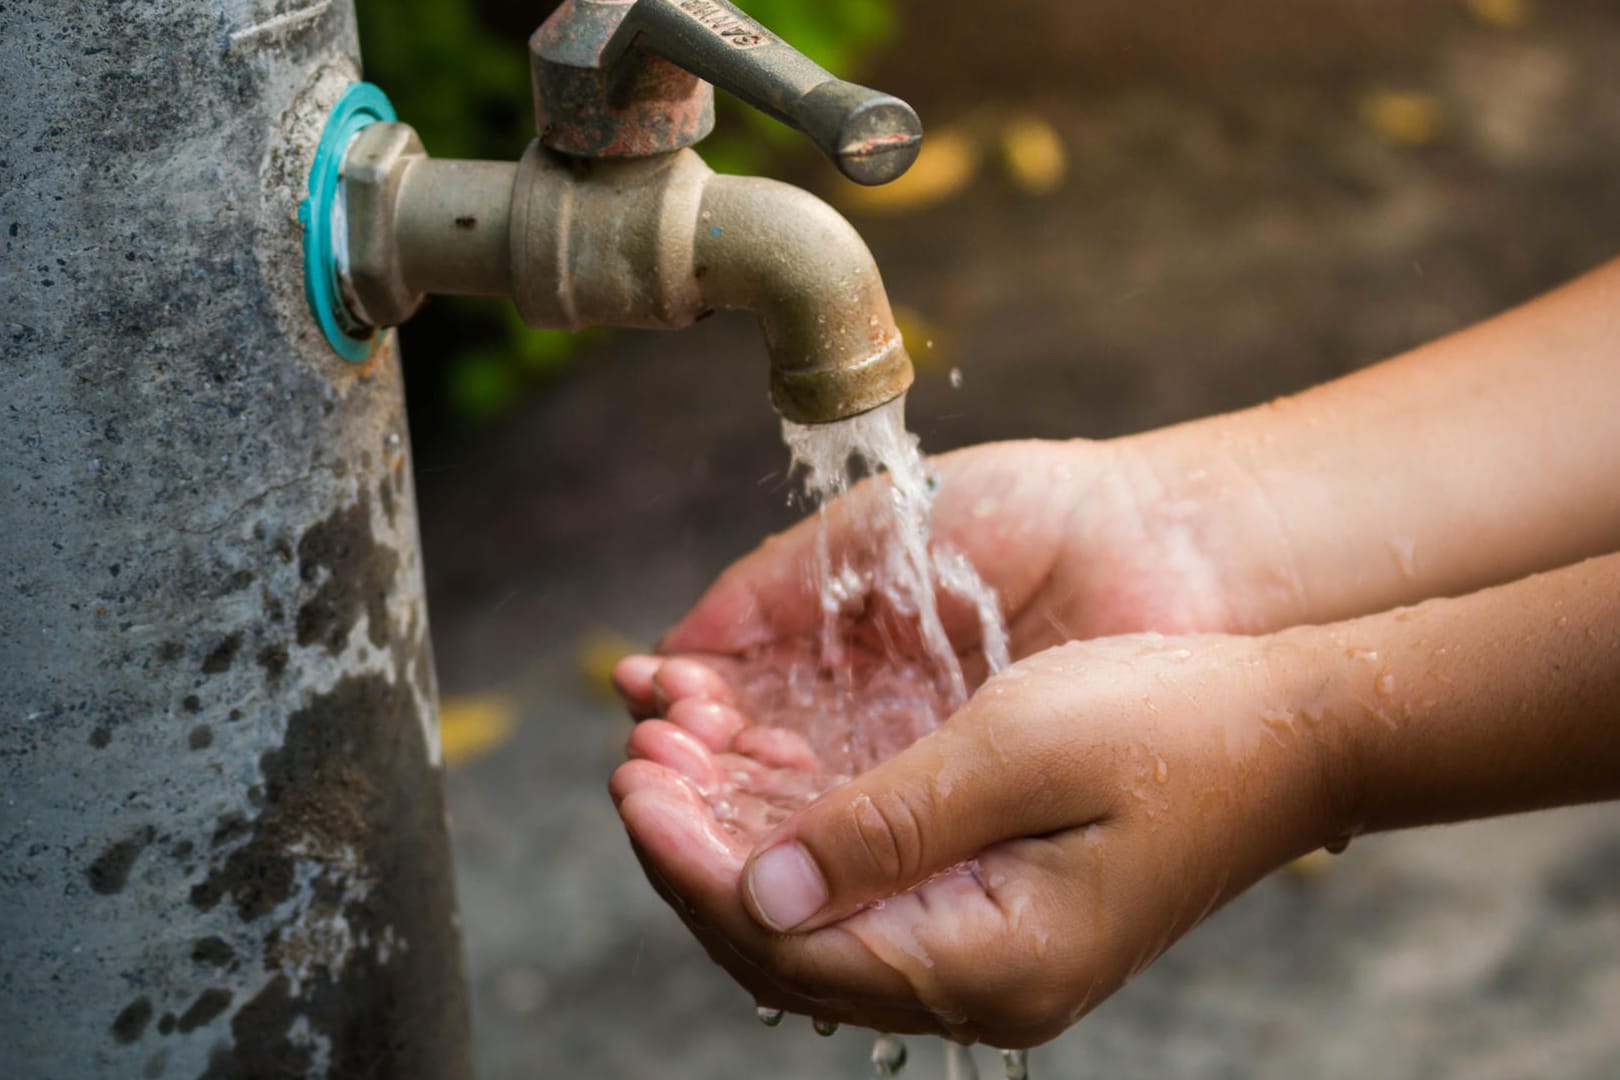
[(1231, 230), (222, 846)]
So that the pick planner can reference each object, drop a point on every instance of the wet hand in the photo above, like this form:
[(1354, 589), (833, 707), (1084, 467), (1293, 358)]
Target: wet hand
[(1077, 539), (1006, 873)]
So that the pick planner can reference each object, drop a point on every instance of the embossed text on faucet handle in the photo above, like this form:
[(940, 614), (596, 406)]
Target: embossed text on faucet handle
[(872, 137)]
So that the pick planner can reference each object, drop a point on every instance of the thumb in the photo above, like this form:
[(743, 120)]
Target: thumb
[(938, 803)]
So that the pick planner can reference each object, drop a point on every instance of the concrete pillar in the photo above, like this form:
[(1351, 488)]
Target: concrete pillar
[(222, 841)]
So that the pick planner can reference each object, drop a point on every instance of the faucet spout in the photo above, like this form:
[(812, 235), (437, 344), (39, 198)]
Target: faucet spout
[(792, 260), (664, 241)]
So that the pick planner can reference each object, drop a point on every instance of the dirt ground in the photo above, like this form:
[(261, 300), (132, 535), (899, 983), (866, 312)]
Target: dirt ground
[(1261, 195)]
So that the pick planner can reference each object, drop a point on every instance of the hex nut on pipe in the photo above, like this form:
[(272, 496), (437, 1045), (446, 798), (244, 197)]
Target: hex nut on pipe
[(373, 173)]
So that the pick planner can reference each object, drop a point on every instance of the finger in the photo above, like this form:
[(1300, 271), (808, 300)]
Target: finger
[(677, 749), (713, 723), (642, 774), (680, 678), (788, 789), (687, 850), (632, 678), (777, 747), (688, 846), (749, 816), (763, 986), (979, 779)]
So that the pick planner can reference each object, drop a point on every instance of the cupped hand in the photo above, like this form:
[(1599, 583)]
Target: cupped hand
[(1002, 875), (1077, 539)]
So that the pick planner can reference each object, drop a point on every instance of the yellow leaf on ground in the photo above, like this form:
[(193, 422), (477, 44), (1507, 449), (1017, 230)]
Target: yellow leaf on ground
[(1508, 14), (948, 162), (471, 727), (1403, 117), (598, 652), (1034, 155)]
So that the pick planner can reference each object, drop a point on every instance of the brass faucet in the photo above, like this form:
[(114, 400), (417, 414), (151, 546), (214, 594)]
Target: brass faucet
[(611, 219)]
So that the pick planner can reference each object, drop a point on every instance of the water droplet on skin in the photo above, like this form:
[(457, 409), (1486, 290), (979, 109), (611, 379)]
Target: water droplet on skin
[(1384, 684), (1016, 1064), (1363, 655), (1161, 771), (769, 1017), (956, 378), (1562, 621), (1278, 720), (888, 1056), (824, 1028)]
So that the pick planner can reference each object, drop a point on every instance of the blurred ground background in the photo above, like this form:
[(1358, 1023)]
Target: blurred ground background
[(1130, 214)]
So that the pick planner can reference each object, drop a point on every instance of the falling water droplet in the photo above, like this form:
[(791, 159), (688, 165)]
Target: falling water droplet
[(959, 1063), (888, 1056), (824, 1027), (769, 1017), (956, 378), (1016, 1063)]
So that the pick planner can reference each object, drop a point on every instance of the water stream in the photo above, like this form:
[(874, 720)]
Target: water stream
[(891, 539), (885, 671)]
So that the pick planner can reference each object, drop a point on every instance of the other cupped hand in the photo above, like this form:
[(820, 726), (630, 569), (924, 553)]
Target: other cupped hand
[(1004, 874)]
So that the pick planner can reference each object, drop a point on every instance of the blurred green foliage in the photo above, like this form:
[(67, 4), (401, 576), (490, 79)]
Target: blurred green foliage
[(464, 86)]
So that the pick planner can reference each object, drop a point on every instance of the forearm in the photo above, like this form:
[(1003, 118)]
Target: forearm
[(1483, 457), (1502, 701)]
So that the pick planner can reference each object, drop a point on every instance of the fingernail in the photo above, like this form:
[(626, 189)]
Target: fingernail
[(786, 886)]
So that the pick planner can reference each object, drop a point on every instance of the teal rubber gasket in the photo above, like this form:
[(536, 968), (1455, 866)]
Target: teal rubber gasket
[(362, 105)]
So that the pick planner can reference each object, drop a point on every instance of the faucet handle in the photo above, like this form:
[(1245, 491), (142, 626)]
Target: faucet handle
[(872, 137), (620, 78)]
